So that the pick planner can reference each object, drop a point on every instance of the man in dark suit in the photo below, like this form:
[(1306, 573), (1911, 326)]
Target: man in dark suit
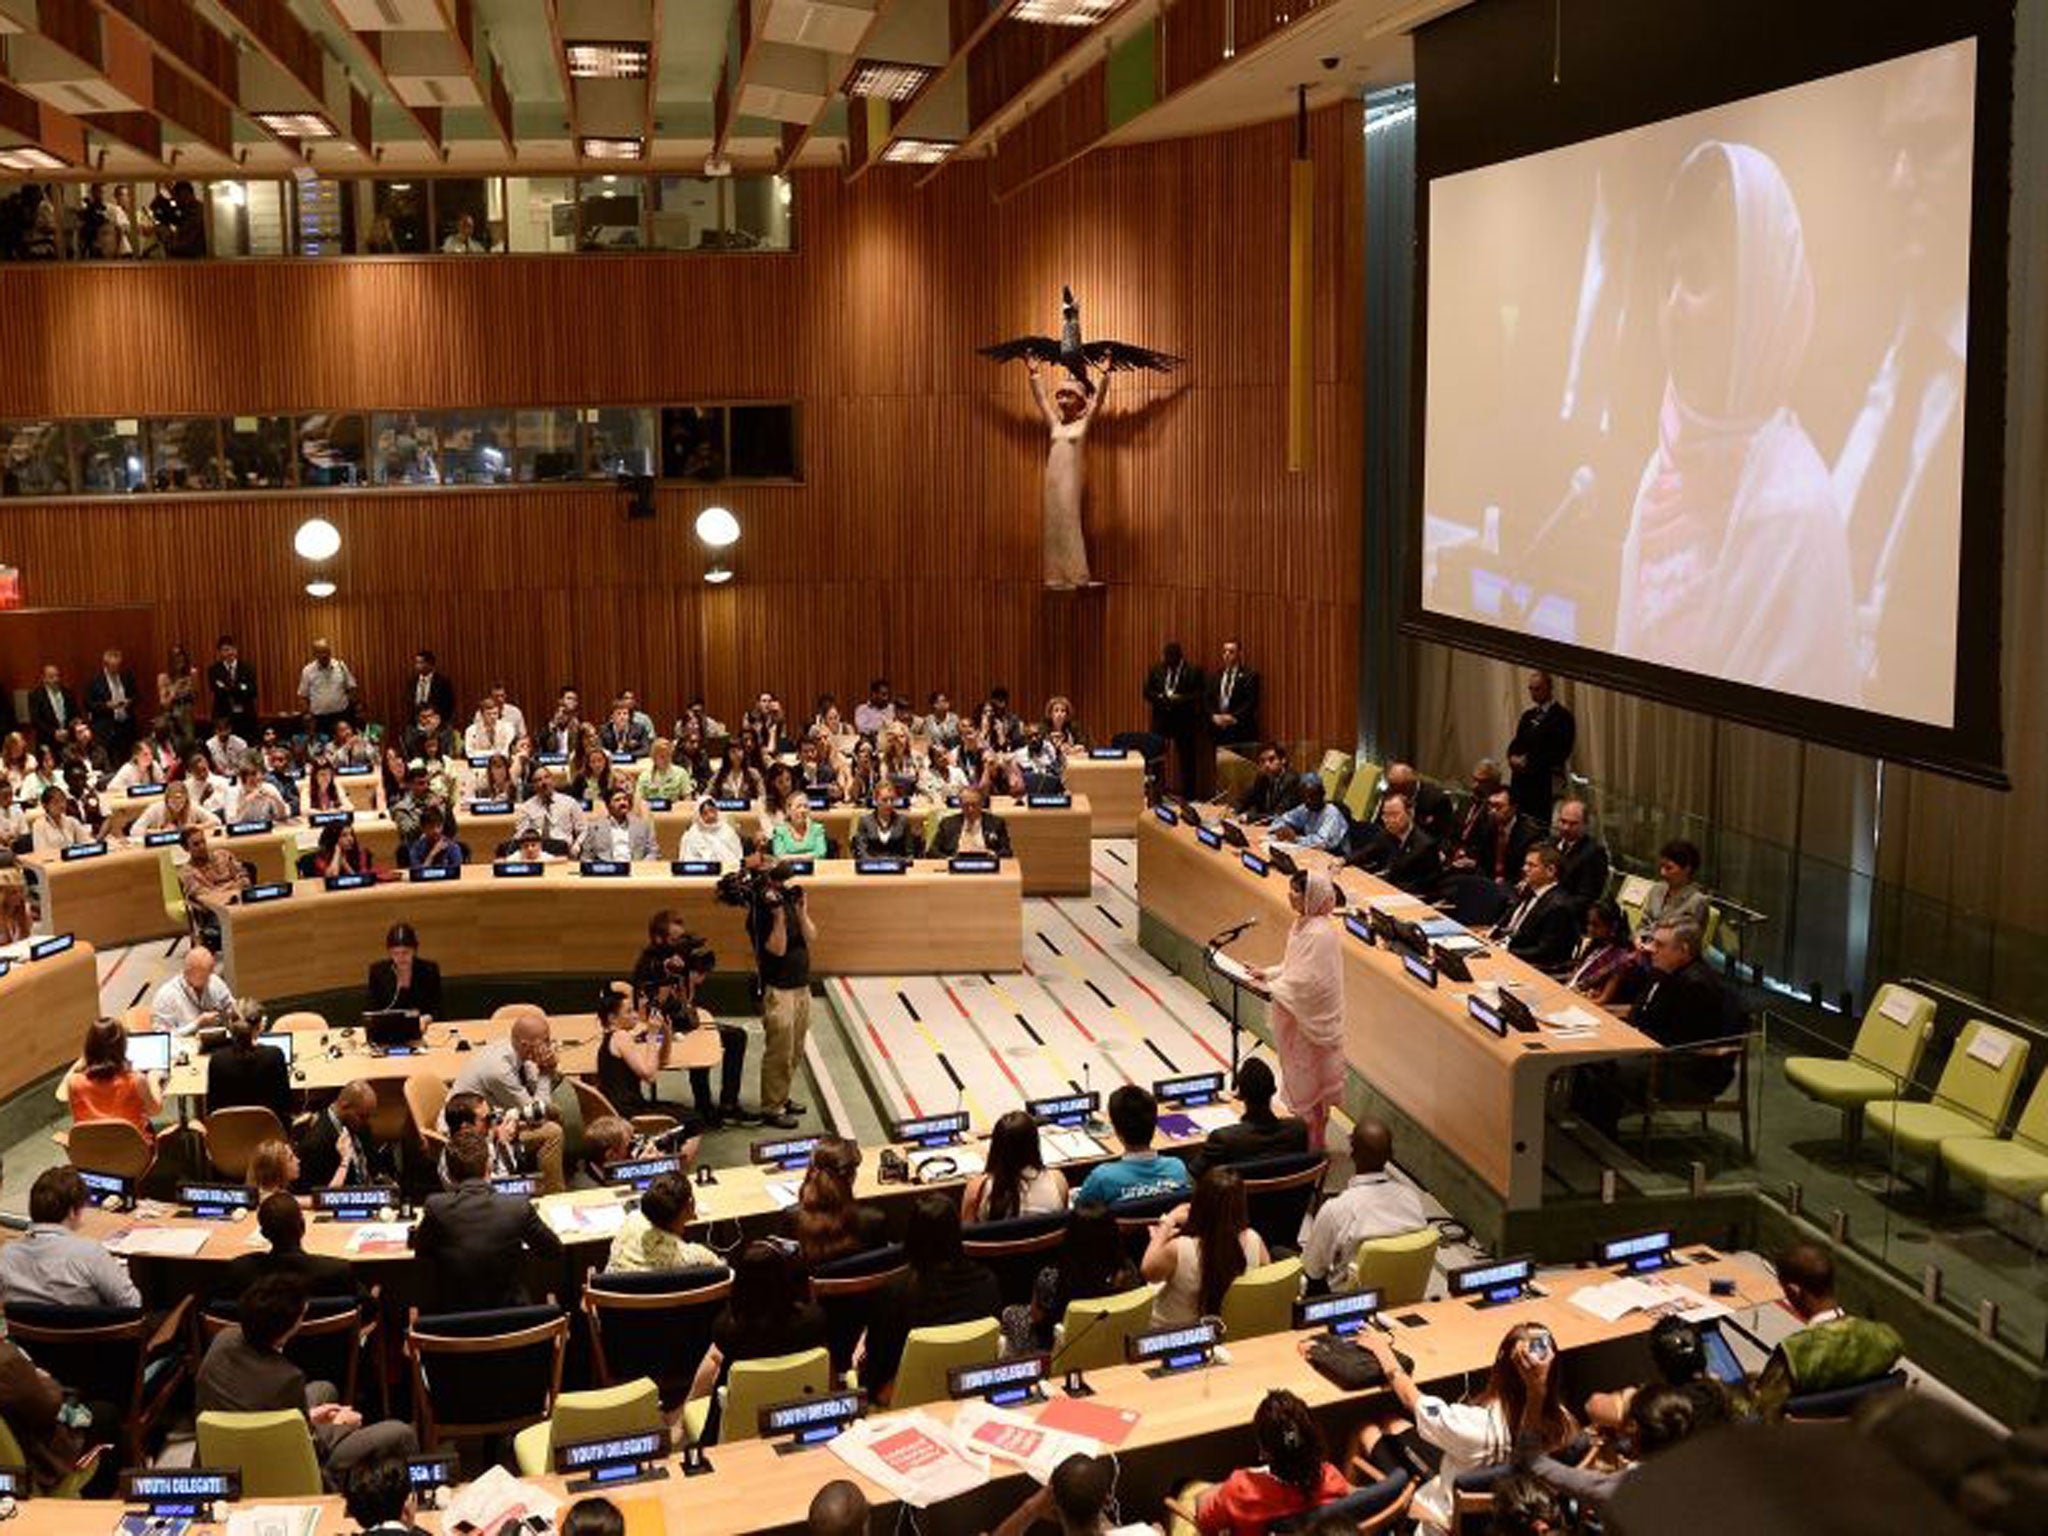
[(339, 1141), (431, 687), (428, 724), (51, 709), (1427, 803), (1582, 857), (1261, 1133), (233, 684), (1472, 814), (971, 829), (1233, 699), (1173, 689), (111, 704), (1495, 846), (283, 1225), (1540, 925), (476, 1239), (1542, 745), (1682, 1005), (1400, 852), (1274, 790)]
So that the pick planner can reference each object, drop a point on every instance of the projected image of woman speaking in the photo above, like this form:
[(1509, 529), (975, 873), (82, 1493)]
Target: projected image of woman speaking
[(1736, 563)]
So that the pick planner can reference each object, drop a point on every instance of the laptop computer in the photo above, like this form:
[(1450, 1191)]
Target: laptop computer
[(392, 1026)]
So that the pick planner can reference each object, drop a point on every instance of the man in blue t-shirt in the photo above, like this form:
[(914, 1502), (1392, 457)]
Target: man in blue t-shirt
[(1140, 1173)]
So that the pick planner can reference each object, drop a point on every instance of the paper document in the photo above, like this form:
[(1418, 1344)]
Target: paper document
[(1991, 1047), (1086, 1416), (1634, 892), (1617, 1298), (1572, 1016), (782, 1191), (274, 1520), (1212, 1117), (494, 1498), (1069, 1146), (911, 1455), (1899, 1006), (1460, 943), (1440, 927), (584, 1220), (374, 1237), (1009, 1436), (1399, 901), (161, 1242)]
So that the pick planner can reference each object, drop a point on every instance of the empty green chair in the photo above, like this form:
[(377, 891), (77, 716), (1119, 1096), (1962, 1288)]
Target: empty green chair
[(174, 894), (1972, 1098), (928, 1353), (625, 1409), (1092, 1331), (1261, 1301), (2016, 1168), (1334, 772), (752, 1385), (1362, 794), (273, 1452), (1881, 1062), (1397, 1267)]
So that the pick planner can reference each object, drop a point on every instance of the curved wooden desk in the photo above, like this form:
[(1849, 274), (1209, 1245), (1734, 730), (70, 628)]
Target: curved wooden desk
[(117, 897), (563, 923), (45, 1006)]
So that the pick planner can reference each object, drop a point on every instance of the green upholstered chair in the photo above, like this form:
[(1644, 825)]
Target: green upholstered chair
[(1092, 1331), (1397, 1267), (752, 1385), (1972, 1098), (1362, 794), (1261, 1300), (2016, 1167), (928, 1353), (174, 894), (273, 1452), (1881, 1061), (74, 1481), (626, 1409)]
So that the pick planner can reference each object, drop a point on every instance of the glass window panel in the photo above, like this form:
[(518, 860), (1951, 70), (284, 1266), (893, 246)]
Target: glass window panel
[(617, 440), (398, 222), (476, 448), (685, 214), (109, 456), (179, 216), (609, 212), (107, 228), (31, 227), (693, 442), (184, 454), (326, 216), (540, 213), (331, 449), (761, 213), (258, 450), (37, 461), (405, 449), (248, 217), (763, 442), (547, 445), (462, 216)]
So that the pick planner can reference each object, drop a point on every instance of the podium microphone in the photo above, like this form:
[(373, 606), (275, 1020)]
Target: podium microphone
[(1226, 935)]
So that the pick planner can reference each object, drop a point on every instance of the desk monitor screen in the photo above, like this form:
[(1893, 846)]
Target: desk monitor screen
[(880, 866), (1720, 1356), (355, 770), (180, 1493), (1253, 862), (1194, 1088), (107, 1186), (217, 1202), (517, 1184), (610, 869), (728, 803), (144, 791), (811, 1420), (694, 867), (1208, 837), (1340, 1311), (421, 873), (819, 798), (256, 895), (973, 864), (611, 1458), (490, 807), (1006, 1381), (1449, 963), (1494, 1282), (1418, 968), (149, 1050), (431, 1472), (785, 1151), (281, 1039), (1054, 802), (636, 1173), (357, 881), (1281, 860), (518, 869), (658, 803), (1106, 754), (56, 944), (332, 819), (247, 828), (1175, 1349), (1487, 1015), (1516, 1013), (392, 1026), (163, 839), (1167, 815), (1065, 1109), (930, 1130), (79, 851), (354, 1202), (14, 1483), (1639, 1254), (1358, 928)]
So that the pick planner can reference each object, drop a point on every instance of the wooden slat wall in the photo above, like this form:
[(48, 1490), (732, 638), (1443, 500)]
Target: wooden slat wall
[(913, 546)]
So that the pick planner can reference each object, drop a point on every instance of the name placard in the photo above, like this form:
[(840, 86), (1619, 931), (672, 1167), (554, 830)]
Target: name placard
[(79, 851)]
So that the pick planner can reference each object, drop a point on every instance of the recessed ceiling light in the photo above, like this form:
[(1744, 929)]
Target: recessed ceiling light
[(1064, 13), (890, 82), (609, 149), (918, 151), (28, 157), (607, 61), (296, 125)]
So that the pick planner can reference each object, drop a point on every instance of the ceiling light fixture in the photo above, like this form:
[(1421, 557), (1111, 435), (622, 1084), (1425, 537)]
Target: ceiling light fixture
[(718, 575), (595, 148), (316, 540), (296, 125), (1064, 13), (320, 589), (919, 151), (607, 61), (28, 157), (718, 528), (890, 82)]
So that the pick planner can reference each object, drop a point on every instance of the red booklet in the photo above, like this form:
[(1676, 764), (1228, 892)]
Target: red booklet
[(1085, 1416)]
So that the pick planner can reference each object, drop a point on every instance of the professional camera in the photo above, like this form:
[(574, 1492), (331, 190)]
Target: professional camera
[(759, 887), (686, 956), (523, 1115)]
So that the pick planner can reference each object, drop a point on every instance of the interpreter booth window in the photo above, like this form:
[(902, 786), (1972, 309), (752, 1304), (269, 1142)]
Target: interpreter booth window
[(609, 210), (547, 446), (399, 220), (323, 216), (466, 212), (617, 441), (760, 213), (184, 454), (249, 218), (762, 443), (405, 449), (685, 214), (257, 451), (540, 213), (476, 447), (97, 222), (110, 458), (37, 459), (331, 449), (693, 442)]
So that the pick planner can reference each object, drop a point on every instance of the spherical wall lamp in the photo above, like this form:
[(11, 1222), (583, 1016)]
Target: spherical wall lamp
[(317, 540)]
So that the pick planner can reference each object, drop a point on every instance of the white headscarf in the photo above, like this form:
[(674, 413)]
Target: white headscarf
[(1310, 982)]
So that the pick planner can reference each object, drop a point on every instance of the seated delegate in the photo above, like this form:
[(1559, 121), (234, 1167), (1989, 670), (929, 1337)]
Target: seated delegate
[(1314, 823), (402, 981), (1138, 1173)]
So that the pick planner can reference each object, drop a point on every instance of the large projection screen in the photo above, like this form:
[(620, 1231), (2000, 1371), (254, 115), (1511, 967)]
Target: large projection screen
[(1695, 400)]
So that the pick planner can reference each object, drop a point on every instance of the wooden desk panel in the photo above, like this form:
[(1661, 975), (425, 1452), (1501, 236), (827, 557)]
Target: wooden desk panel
[(118, 897), (563, 924), (1478, 1095), (1114, 787), (45, 1007)]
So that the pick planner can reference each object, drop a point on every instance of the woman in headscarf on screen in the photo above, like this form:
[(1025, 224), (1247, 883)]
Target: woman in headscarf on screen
[(1736, 564), (1308, 1005)]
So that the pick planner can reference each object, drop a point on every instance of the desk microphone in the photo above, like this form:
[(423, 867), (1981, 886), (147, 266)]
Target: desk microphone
[(1076, 1384), (1226, 935)]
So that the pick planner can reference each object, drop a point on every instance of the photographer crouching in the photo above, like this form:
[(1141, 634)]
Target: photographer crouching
[(665, 981), (780, 928)]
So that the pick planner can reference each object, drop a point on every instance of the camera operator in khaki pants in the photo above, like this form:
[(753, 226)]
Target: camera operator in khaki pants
[(780, 926)]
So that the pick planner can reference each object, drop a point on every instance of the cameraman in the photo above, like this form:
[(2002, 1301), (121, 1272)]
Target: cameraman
[(517, 1076), (780, 926), (665, 980), (468, 1112)]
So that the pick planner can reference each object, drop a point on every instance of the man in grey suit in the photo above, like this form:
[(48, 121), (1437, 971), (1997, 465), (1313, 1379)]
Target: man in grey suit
[(476, 1239), (619, 834)]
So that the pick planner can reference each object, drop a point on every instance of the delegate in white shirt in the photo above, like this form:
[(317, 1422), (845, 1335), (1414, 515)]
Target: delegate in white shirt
[(1371, 1205), (175, 1008)]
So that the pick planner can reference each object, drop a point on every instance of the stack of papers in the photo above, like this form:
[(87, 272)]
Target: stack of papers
[(374, 1237), (591, 1220), (1631, 1293), (1572, 1022), (1008, 1436), (160, 1242)]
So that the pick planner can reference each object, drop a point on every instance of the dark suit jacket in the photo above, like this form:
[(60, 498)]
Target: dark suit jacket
[(1433, 813), (440, 694), (1244, 1141), (99, 703), (322, 1276), (43, 716), (1266, 798), (425, 995), (899, 840), (1483, 847), (1244, 706), (1583, 871), (1183, 712), (259, 1077), (1686, 1008), (1544, 737), (994, 831), (319, 1151), (477, 1240), (1549, 932), (236, 699), (1415, 865)]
